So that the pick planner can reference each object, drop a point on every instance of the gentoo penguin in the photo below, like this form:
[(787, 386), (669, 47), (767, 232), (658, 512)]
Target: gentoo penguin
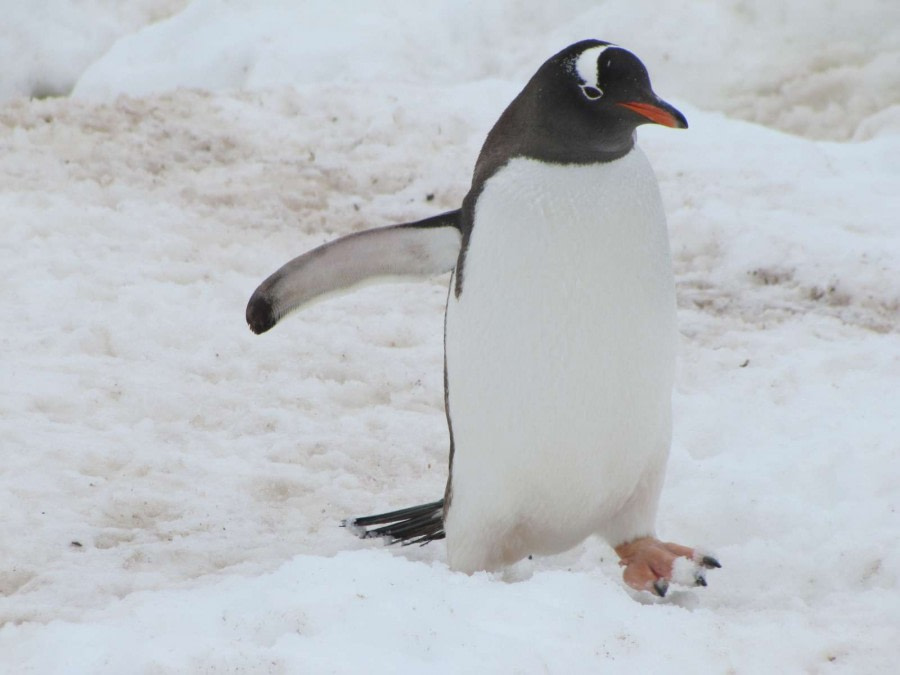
[(559, 339)]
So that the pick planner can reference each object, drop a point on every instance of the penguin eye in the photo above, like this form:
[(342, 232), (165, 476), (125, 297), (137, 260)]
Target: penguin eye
[(591, 92)]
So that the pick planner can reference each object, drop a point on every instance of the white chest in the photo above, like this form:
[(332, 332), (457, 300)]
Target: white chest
[(560, 349)]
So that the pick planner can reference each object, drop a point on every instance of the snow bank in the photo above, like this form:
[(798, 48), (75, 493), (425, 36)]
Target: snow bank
[(366, 612), (821, 70), (45, 45)]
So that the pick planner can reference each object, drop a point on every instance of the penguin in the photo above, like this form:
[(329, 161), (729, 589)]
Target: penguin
[(559, 334)]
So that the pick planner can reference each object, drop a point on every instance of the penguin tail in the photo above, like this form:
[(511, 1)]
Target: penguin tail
[(413, 525)]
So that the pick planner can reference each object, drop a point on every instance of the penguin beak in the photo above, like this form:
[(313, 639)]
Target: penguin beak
[(658, 112)]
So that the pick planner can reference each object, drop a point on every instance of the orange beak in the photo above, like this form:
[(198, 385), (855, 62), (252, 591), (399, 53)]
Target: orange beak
[(658, 113)]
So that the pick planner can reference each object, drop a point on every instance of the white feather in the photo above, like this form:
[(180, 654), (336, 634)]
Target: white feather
[(586, 65)]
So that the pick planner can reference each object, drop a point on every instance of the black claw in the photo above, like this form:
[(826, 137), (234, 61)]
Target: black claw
[(661, 586), (710, 563), (699, 580)]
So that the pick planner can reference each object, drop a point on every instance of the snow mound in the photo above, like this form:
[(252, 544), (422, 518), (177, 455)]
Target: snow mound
[(45, 45), (813, 70)]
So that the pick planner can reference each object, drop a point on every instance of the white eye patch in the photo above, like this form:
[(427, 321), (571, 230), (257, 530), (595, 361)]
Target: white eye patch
[(586, 66)]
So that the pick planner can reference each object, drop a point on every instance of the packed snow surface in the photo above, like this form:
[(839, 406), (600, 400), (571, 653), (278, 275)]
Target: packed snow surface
[(171, 483)]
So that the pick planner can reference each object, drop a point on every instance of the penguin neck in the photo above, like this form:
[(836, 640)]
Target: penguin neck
[(529, 128), (601, 146)]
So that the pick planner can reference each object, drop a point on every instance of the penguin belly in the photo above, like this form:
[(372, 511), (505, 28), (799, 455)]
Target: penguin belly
[(560, 362)]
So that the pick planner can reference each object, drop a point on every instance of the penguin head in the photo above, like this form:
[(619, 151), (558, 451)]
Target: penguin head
[(581, 106), (615, 86)]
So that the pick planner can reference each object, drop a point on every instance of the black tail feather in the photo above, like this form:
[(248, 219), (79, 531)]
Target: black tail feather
[(413, 525)]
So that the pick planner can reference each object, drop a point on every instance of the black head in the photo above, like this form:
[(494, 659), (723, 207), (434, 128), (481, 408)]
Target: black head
[(582, 106), (616, 87)]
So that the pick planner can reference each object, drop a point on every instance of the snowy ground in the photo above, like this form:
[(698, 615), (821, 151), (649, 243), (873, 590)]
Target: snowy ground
[(171, 483)]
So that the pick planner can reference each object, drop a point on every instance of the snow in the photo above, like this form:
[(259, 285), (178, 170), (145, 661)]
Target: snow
[(172, 484), (47, 44)]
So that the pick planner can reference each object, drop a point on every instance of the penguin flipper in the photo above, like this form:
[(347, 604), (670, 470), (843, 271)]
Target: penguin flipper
[(422, 248)]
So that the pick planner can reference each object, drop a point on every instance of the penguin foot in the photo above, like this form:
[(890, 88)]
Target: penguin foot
[(651, 565)]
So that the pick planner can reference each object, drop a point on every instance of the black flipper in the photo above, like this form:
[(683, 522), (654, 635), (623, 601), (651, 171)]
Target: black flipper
[(423, 248), (413, 525)]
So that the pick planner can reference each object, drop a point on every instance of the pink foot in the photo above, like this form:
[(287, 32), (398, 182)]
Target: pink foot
[(650, 565)]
